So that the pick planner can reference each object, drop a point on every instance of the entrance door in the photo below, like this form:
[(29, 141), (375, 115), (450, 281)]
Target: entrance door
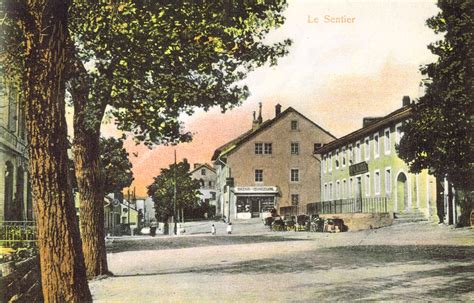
[(402, 192), (255, 207), (358, 193)]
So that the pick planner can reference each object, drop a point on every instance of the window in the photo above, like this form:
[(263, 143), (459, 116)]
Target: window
[(376, 146), (12, 109), (330, 161), (367, 185), (337, 159), (358, 152), (388, 181), (377, 182), (316, 146), (323, 165), (210, 183), (350, 188), (203, 172), (325, 192), (338, 189), (295, 175), (330, 191), (213, 195), (386, 143), (259, 175), (344, 189), (263, 148), (343, 156), (267, 149), (294, 125), (295, 148), (295, 199), (399, 133), (350, 155), (367, 148), (258, 148)]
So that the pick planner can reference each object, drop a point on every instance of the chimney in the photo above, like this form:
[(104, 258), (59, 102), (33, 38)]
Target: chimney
[(196, 165), (406, 101), (260, 119), (277, 110), (254, 121)]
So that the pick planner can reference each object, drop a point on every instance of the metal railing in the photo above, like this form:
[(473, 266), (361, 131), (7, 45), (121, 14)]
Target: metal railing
[(17, 234), (355, 205)]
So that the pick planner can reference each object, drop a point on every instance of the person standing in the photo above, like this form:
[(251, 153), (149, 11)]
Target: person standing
[(229, 228), (213, 230)]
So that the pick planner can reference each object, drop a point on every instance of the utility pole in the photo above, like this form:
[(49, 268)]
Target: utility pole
[(128, 204), (230, 196), (134, 198), (174, 196)]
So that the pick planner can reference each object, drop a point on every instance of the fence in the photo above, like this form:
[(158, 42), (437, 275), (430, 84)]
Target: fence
[(360, 205), (17, 234)]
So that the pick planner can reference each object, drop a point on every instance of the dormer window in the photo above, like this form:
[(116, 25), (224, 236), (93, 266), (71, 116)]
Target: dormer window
[(203, 172)]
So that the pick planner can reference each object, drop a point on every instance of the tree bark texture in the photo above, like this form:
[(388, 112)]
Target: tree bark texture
[(91, 190), (89, 174), (63, 274)]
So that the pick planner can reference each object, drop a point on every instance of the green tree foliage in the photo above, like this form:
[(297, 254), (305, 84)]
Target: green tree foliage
[(162, 190), (116, 164), (439, 136), (153, 60)]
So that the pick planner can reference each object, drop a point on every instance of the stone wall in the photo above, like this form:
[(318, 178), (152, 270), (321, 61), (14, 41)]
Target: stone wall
[(20, 281), (358, 221)]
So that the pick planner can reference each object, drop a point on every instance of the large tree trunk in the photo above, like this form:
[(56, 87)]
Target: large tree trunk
[(88, 116), (44, 25), (91, 190)]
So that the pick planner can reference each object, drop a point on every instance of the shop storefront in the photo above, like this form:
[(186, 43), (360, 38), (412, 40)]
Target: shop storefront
[(253, 201)]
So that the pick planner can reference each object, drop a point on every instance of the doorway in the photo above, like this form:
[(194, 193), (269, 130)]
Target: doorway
[(402, 192)]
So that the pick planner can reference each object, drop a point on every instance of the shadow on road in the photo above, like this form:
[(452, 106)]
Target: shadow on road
[(345, 257), (188, 242), (410, 286)]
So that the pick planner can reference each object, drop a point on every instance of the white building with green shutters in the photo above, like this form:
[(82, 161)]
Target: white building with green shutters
[(362, 170)]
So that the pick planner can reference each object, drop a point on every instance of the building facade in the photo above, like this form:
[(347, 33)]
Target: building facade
[(364, 166), (207, 177), (15, 194), (270, 166)]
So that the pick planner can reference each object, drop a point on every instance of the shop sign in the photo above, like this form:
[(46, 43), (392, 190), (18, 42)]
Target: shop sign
[(256, 189), (358, 168)]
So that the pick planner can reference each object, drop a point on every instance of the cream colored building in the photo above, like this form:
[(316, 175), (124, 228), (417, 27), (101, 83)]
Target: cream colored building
[(361, 172), (15, 197), (271, 165), (206, 175)]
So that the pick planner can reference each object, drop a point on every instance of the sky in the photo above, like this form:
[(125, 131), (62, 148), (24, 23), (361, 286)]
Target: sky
[(335, 74)]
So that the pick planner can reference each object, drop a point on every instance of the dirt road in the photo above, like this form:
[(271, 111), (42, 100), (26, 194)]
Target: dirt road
[(407, 262)]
